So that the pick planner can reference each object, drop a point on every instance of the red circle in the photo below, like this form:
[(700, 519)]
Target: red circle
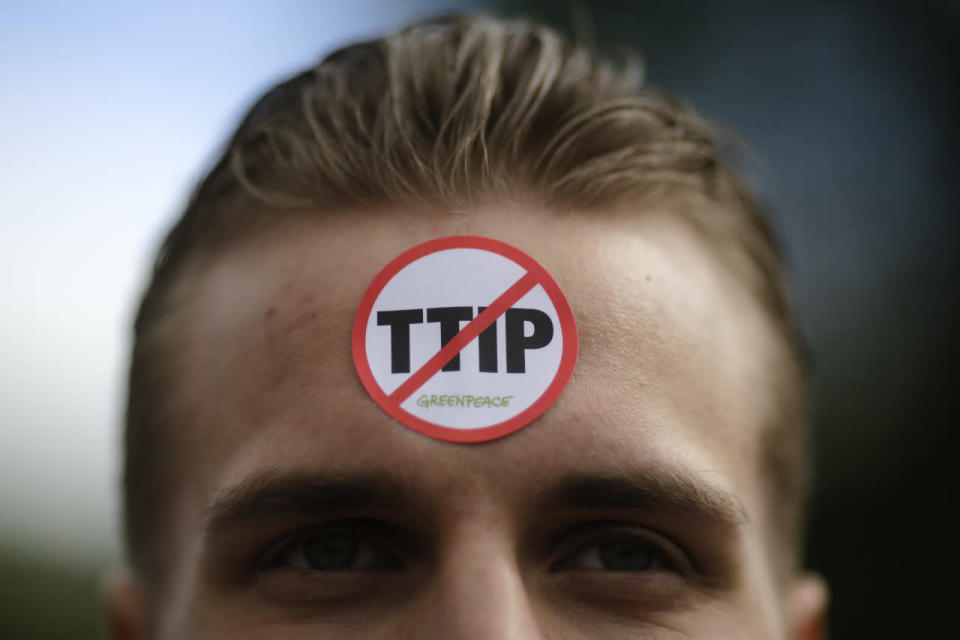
[(482, 434)]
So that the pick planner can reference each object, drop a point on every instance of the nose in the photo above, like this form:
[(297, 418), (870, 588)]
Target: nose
[(477, 593)]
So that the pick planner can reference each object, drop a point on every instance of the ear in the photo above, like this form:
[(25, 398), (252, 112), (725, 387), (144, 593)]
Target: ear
[(126, 608), (807, 608)]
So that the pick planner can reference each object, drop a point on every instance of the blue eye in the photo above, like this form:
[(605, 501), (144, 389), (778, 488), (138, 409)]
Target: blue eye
[(626, 556), (330, 552), (335, 551), (617, 555)]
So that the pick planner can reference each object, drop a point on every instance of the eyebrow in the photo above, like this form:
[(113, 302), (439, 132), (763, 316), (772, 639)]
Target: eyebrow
[(272, 494), (656, 490), (277, 493)]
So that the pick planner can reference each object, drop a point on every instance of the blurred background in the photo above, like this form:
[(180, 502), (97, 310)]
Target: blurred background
[(110, 111)]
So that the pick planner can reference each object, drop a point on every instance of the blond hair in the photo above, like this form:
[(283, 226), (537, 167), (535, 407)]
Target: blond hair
[(443, 114)]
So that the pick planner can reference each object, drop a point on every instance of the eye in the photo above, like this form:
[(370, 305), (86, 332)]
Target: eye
[(624, 569), (620, 555), (332, 551), (620, 548)]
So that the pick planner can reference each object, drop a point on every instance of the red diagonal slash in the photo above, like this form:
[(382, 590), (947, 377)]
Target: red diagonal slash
[(473, 329)]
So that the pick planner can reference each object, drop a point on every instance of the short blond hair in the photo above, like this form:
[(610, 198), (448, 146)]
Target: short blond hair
[(443, 114)]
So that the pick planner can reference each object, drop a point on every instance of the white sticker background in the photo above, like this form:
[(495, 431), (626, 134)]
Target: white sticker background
[(468, 278)]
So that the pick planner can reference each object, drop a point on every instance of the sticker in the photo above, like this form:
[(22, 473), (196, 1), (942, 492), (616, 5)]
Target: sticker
[(464, 339)]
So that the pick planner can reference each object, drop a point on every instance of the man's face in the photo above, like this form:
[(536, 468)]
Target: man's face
[(633, 506)]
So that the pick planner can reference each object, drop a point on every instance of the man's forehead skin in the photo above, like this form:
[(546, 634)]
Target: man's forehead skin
[(671, 368)]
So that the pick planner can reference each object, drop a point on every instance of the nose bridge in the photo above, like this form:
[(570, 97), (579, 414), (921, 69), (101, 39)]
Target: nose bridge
[(478, 593)]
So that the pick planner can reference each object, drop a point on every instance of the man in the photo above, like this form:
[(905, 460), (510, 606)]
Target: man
[(269, 491)]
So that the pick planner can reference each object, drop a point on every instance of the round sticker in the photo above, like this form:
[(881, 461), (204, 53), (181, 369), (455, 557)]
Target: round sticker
[(465, 339)]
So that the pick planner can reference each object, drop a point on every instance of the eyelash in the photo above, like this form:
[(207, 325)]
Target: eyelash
[(367, 532), (582, 539), (574, 544)]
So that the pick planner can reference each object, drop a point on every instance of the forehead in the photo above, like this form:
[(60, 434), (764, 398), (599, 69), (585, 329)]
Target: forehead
[(672, 355)]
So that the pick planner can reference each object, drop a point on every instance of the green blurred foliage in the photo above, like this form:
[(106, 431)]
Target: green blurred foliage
[(46, 599)]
